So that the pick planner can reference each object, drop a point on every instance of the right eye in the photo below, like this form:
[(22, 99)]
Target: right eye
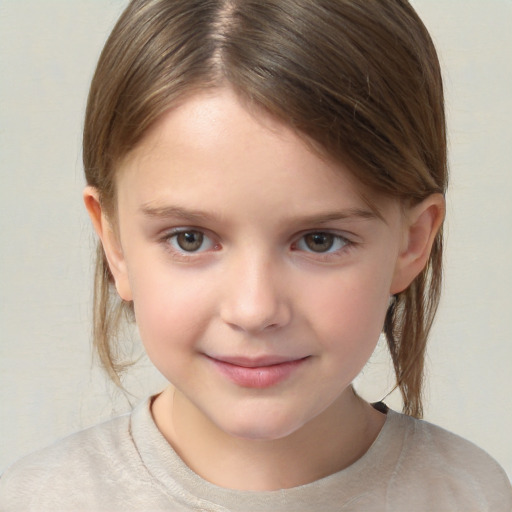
[(190, 240)]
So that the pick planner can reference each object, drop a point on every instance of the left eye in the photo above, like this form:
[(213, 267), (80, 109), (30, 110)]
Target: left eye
[(321, 242), (190, 240)]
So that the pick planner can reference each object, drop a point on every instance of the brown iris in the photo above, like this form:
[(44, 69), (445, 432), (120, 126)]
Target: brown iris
[(190, 241), (319, 242)]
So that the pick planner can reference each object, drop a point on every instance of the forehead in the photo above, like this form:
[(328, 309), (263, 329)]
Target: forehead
[(213, 144)]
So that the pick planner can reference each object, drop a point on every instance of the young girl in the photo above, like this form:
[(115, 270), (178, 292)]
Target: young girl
[(267, 180)]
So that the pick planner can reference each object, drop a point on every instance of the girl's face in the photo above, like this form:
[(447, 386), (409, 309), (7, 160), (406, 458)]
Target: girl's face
[(260, 277)]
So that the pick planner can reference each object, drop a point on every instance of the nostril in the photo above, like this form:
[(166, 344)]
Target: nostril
[(255, 319), (254, 298)]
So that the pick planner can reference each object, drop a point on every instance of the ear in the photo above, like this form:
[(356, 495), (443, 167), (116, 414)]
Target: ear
[(110, 241), (422, 223)]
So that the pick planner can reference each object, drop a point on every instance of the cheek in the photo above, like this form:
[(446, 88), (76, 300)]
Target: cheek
[(170, 307), (350, 309)]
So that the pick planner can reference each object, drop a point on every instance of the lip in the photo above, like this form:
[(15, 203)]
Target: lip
[(257, 373)]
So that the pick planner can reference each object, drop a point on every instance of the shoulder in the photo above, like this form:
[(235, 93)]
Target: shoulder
[(434, 462), (74, 464)]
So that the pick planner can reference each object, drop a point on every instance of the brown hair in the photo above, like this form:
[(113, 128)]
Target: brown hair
[(360, 78)]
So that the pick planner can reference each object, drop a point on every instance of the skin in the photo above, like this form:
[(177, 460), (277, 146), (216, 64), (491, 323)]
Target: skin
[(259, 287)]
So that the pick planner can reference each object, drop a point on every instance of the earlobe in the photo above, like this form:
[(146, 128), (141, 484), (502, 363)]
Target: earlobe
[(109, 240), (423, 222)]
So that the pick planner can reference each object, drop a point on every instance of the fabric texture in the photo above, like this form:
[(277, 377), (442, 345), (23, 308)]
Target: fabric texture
[(127, 465)]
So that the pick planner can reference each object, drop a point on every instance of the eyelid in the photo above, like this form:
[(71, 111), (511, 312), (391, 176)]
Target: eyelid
[(169, 234), (348, 243), (334, 236), (344, 235)]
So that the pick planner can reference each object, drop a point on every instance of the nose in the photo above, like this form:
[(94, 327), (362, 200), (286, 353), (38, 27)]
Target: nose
[(255, 295)]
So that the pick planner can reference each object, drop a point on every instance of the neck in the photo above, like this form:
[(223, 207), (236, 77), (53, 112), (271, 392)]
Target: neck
[(332, 441)]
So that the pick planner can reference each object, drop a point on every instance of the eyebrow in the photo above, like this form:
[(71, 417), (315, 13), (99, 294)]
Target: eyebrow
[(348, 214), (177, 212)]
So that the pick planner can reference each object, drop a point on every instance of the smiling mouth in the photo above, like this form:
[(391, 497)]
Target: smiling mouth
[(257, 373)]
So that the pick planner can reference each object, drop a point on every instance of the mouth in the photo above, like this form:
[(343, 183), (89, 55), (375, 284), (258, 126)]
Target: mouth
[(257, 373)]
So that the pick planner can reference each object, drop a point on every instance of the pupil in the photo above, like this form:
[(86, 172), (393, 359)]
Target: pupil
[(190, 240), (319, 242)]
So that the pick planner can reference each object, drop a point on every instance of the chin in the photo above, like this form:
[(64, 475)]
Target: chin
[(261, 428)]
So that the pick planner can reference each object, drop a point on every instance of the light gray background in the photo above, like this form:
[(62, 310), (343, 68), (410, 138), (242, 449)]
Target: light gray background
[(49, 386)]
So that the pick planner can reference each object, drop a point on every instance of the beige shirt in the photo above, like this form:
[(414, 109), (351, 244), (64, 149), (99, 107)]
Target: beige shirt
[(126, 465)]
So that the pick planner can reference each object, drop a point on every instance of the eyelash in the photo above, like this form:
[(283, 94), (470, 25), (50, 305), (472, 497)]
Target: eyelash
[(298, 245), (179, 252), (343, 243)]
